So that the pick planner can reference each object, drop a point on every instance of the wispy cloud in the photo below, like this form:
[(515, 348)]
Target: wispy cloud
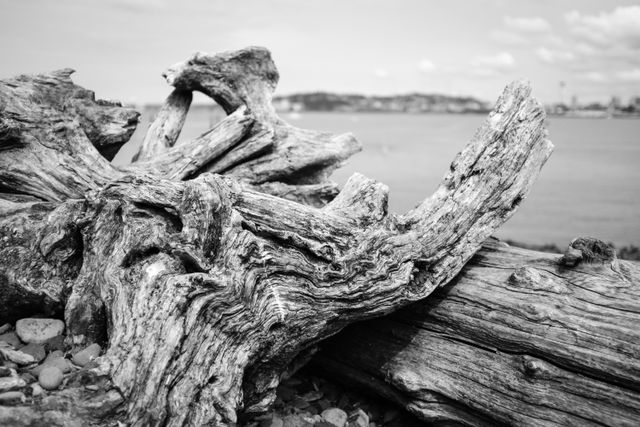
[(553, 55), (426, 66), (381, 73), (629, 75), (499, 61), (533, 24), (508, 37), (620, 26)]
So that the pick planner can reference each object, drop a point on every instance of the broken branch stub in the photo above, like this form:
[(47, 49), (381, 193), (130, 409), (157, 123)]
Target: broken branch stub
[(204, 290)]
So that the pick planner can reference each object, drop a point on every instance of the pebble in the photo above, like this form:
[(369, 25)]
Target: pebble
[(36, 390), (312, 396), (358, 418), (5, 372), (11, 338), (55, 344), (85, 356), (36, 350), (335, 416), (275, 421), (295, 421), (11, 397), (4, 328), (11, 383), (59, 362), (16, 356), (50, 378), (38, 331)]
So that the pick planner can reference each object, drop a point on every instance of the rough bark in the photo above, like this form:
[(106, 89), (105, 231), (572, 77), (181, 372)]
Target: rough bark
[(517, 338), (204, 290)]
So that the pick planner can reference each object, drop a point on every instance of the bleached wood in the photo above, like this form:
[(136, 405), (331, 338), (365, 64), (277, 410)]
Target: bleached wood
[(204, 290), (517, 338)]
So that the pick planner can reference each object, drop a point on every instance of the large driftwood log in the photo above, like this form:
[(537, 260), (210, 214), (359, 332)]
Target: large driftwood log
[(202, 288), (517, 338)]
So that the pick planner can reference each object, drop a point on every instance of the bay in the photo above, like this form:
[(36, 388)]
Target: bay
[(589, 187)]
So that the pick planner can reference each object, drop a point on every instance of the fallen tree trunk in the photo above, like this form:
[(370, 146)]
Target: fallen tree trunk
[(517, 338), (202, 289)]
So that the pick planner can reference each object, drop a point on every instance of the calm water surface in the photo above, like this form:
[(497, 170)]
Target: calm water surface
[(589, 186)]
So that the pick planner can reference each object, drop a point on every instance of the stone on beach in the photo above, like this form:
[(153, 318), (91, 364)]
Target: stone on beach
[(11, 397), (11, 338), (50, 378), (35, 350), (83, 357), (335, 416), (38, 331), (12, 382)]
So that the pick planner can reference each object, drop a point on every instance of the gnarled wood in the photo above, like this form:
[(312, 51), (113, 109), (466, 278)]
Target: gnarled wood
[(204, 290), (166, 126), (517, 338)]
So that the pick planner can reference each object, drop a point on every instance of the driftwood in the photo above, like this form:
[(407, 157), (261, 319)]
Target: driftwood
[(517, 338), (203, 289)]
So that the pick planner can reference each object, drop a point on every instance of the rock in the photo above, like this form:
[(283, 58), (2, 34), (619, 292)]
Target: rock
[(55, 344), (36, 350), (323, 404), (5, 372), (5, 328), (358, 418), (16, 356), (335, 416), (38, 331), (28, 377), (13, 382), (10, 365), (295, 421), (83, 357), (50, 378), (312, 396), (54, 355), (61, 363), (36, 390), (300, 403), (275, 421), (11, 338), (10, 397)]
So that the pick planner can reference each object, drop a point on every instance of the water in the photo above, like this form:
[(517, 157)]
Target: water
[(590, 185)]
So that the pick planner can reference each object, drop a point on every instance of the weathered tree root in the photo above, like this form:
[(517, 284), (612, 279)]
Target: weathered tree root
[(517, 338), (204, 290)]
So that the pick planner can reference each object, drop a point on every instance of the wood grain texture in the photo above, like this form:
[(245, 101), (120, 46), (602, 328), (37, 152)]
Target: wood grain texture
[(248, 77), (517, 338), (166, 126), (202, 289)]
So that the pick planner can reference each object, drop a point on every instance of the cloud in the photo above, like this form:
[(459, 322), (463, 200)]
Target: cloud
[(533, 24), (629, 75), (594, 76), (381, 73), (500, 61), (552, 56), (426, 66), (620, 26), (508, 37)]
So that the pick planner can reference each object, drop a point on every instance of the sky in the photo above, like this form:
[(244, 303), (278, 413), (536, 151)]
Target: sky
[(119, 48)]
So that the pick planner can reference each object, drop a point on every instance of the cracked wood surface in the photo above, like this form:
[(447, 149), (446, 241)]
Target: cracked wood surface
[(202, 289), (517, 338)]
